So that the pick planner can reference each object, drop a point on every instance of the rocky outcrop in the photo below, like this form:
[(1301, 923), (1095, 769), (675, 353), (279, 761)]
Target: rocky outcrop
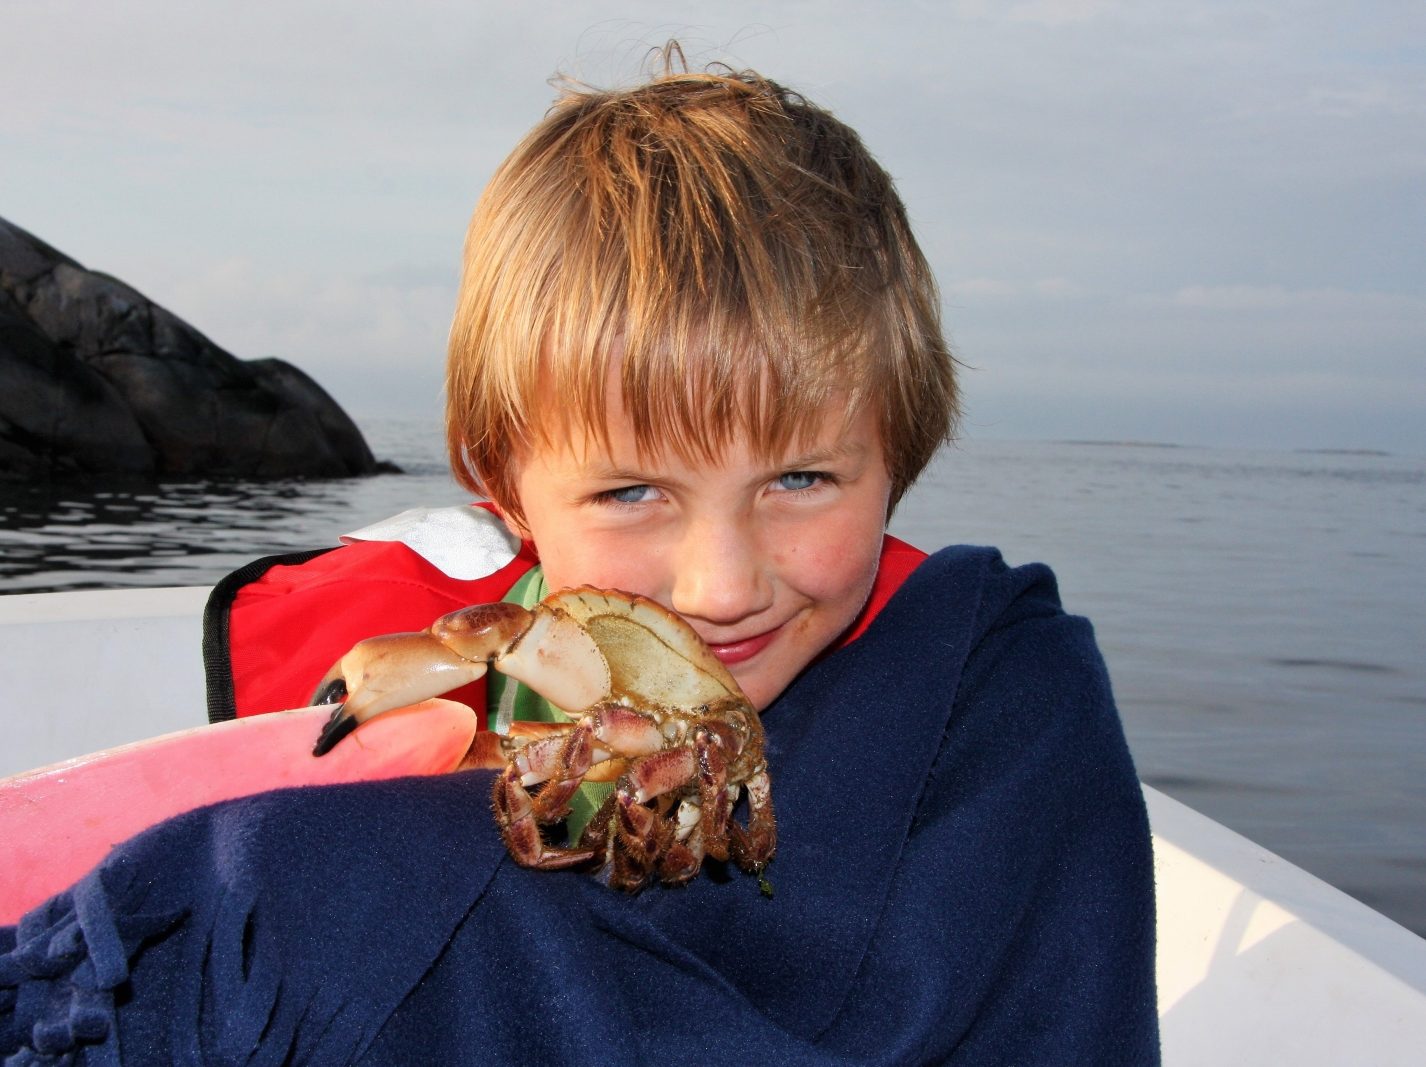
[(95, 378)]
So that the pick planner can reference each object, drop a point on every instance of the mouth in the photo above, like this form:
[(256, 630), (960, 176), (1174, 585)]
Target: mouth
[(745, 649)]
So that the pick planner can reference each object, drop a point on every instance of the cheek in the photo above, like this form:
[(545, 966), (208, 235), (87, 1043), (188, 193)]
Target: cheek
[(588, 560), (836, 565)]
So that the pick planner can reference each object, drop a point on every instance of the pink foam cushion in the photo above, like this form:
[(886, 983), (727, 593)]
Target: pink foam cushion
[(59, 821)]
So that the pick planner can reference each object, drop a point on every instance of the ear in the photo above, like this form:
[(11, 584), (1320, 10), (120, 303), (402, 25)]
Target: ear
[(515, 525), (504, 513)]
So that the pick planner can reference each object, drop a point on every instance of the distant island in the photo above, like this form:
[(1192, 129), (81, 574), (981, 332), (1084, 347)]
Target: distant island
[(1120, 444), (97, 379)]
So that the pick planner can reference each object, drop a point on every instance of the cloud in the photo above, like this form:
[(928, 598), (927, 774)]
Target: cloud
[(1266, 365), (1194, 201), (376, 343), (1051, 13), (1368, 98), (1279, 297), (1055, 13), (969, 290)]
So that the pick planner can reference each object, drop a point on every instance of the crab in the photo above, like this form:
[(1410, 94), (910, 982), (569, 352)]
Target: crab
[(651, 708)]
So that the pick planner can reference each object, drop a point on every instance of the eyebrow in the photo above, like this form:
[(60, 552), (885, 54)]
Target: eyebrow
[(808, 460), (817, 456), (610, 473)]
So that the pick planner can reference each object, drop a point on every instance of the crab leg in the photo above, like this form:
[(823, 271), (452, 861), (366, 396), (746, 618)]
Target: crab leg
[(491, 751), (562, 762), (520, 827), (611, 730), (714, 802), (647, 838), (753, 848)]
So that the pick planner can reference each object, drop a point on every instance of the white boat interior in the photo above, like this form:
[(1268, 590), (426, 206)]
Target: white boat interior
[(1258, 961)]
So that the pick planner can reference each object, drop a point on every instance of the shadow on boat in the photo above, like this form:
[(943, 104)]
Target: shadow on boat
[(1261, 962)]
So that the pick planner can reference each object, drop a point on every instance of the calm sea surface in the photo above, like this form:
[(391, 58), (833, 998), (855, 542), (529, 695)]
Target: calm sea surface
[(1263, 614)]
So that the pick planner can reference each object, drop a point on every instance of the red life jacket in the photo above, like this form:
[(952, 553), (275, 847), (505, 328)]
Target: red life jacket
[(273, 628)]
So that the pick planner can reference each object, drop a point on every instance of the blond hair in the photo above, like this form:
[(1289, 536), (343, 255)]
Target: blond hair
[(733, 248)]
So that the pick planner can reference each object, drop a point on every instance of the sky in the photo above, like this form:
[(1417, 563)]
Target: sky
[(1199, 222)]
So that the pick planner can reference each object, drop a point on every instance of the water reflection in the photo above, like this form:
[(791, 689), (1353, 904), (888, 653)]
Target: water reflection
[(113, 532), (146, 533)]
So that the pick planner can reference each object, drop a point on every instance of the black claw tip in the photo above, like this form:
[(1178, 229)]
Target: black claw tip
[(338, 726), (333, 692)]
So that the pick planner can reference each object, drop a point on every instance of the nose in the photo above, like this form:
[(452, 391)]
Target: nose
[(723, 574)]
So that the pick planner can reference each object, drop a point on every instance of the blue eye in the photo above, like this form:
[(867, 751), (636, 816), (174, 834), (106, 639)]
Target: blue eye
[(628, 494), (797, 481)]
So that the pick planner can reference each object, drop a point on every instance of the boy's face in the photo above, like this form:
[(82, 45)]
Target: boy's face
[(769, 562)]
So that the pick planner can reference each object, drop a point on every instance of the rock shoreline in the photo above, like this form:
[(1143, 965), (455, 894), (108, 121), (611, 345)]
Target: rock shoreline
[(95, 378)]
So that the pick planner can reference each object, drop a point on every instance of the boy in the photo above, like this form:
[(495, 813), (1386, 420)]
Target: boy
[(696, 356), (712, 372)]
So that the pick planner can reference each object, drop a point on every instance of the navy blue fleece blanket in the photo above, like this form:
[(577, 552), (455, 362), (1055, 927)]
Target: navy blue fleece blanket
[(963, 876)]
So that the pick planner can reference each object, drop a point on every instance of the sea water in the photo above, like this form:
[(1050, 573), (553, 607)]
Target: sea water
[(1263, 614)]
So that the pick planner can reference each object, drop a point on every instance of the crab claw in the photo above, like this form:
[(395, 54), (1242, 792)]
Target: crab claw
[(544, 648)]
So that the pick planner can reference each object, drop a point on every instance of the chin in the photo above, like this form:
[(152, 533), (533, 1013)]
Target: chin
[(761, 689)]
